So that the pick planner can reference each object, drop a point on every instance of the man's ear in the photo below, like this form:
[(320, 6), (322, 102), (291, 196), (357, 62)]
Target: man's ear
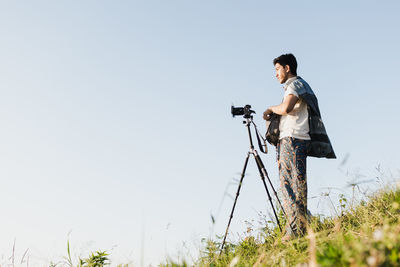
[(287, 68)]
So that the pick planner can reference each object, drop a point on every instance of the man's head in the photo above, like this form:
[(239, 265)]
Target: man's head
[(285, 67)]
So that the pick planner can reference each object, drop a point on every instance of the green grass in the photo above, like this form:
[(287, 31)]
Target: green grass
[(367, 234)]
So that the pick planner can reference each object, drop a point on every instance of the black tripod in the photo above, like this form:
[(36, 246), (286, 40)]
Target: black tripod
[(263, 174)]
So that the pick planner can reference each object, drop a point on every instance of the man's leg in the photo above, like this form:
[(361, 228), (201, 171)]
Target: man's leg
[(300, 183), (292, 173), (285, 176)]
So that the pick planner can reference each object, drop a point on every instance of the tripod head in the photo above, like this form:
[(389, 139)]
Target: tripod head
[(246, 112)]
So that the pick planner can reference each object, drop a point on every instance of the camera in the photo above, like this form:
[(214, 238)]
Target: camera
[(239, 111)]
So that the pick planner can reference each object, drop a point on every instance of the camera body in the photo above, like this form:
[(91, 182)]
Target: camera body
[(242, 111)]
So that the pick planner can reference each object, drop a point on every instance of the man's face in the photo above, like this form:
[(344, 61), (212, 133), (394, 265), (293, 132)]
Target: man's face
[(282, 73)]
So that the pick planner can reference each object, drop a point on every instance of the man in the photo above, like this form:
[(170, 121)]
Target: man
[(301, 134)]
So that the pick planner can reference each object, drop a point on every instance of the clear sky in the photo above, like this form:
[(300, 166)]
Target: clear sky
[(116, 130)]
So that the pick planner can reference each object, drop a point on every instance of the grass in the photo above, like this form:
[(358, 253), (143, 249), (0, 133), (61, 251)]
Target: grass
[(367, 234)]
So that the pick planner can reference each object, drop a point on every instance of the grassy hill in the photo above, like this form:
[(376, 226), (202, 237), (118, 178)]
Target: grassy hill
[(367, 234)]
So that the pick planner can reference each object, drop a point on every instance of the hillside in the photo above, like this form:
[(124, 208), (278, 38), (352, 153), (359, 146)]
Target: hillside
[(367, 234)]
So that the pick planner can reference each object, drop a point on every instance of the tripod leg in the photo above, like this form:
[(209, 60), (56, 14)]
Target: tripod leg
[(234, 204), (260, 167), (263, 173)]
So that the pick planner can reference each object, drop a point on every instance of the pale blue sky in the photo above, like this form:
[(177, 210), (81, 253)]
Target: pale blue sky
[(116, 118)]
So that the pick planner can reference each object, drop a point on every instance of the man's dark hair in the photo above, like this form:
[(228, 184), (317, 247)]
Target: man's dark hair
[(287, 59)]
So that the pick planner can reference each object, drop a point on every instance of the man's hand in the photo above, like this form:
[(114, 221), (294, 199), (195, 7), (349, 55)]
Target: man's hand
[(267, 114)]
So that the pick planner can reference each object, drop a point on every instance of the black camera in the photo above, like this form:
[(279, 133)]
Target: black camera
[(245, 111)]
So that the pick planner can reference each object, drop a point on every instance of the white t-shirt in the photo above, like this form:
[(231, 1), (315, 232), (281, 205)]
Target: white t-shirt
[(295, 123)]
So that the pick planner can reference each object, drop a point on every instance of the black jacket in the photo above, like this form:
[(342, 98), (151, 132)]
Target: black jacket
[(321, 146)]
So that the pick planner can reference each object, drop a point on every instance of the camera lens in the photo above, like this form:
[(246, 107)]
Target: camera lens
[(237, 111)]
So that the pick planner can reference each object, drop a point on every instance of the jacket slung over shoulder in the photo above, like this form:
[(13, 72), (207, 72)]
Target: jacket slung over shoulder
[(321, 146)]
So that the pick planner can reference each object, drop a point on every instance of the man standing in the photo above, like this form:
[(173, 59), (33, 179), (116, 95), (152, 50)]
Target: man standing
[(301, 134)]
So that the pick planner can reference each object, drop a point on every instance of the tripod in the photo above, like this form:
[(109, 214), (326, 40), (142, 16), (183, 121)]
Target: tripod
[(263, 174)]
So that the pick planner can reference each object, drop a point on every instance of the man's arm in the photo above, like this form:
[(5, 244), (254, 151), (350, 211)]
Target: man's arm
[(282, 109)]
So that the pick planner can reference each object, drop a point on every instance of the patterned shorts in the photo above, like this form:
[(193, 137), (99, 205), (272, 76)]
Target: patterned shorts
[(292, 155)]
